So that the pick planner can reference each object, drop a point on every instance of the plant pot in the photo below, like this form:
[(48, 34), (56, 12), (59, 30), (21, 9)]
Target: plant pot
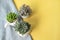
[(13, 24), (23, 34), (25, 16), (25, 11), (22, 28)]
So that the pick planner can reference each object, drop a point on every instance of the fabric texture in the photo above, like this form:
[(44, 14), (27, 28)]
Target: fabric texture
[(8, 33)]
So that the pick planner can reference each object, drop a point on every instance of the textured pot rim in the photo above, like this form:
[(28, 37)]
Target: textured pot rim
[(23, 34), (24, 16)]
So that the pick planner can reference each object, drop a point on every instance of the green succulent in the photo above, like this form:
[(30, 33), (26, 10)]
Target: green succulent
[(22, 27), (11, 17)]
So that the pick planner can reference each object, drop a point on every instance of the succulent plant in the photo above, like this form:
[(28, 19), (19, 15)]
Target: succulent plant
[(11, 17), (25, 10), (22, 27)]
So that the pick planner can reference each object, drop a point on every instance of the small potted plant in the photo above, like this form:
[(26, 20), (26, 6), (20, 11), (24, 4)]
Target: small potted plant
[(25, 11), (21, 27), (11, 18)]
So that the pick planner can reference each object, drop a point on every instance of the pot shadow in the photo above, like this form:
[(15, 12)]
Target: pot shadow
[(34, 8), (34, 22), (33, 17)]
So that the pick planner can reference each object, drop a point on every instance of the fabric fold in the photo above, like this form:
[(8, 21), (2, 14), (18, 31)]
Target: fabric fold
[(8, 33)]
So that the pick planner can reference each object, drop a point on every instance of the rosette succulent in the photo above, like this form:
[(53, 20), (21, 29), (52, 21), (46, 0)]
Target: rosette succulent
[(25, 10), (11, 17), (22, 27)]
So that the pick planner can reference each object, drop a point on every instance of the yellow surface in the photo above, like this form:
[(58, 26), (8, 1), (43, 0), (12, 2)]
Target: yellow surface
[(45, 18)]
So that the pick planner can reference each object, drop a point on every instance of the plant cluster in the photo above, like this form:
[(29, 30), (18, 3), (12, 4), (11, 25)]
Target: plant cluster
[(20, 26)]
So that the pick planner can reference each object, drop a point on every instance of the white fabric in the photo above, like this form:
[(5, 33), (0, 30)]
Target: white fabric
[(8, 33)]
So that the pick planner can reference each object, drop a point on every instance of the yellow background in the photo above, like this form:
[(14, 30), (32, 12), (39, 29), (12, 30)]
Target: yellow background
[(45, 18)]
